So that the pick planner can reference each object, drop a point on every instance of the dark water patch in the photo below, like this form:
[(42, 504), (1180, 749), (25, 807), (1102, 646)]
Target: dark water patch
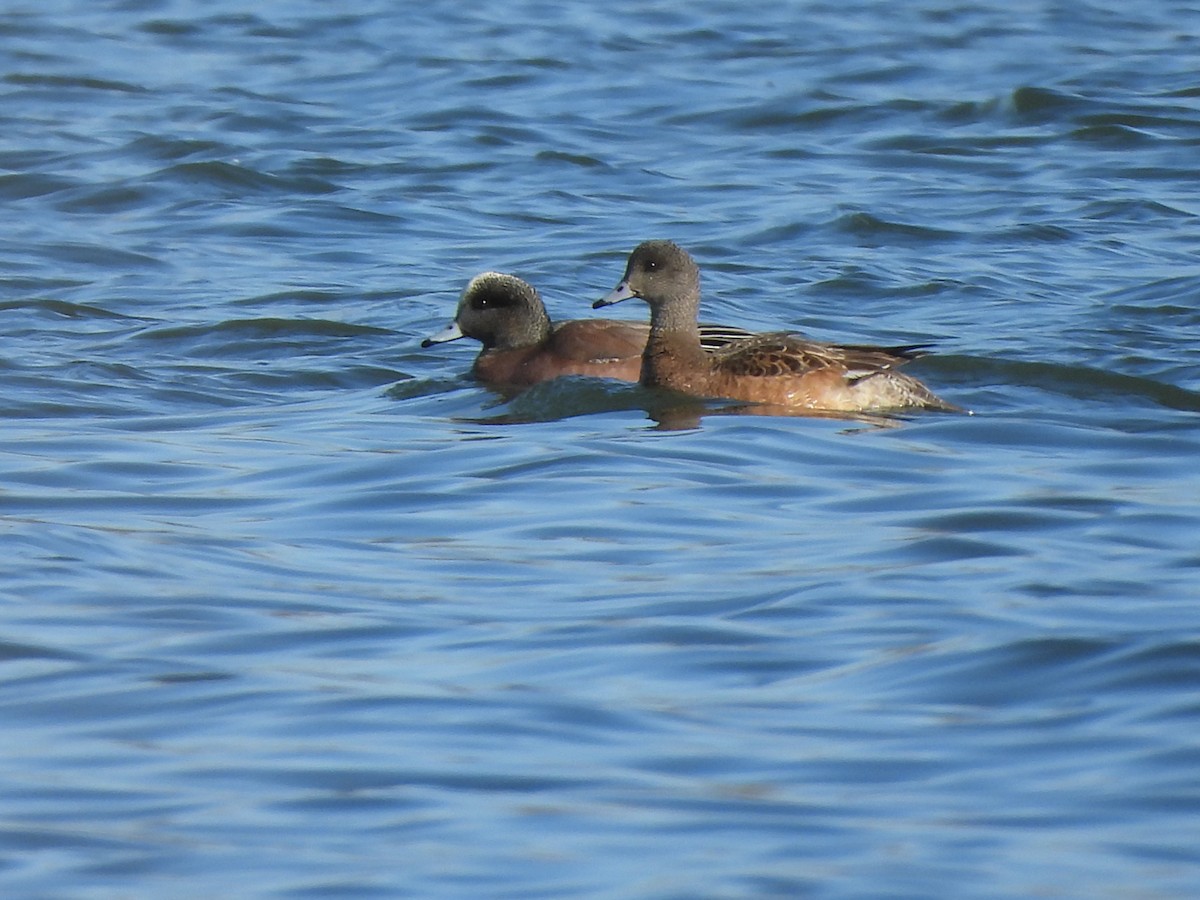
[(1034, 232), (347, 780), (106, 504), (1151, 121), (98, 256), (172, 28), (954, 548), (853, 281), (24, 162), (778, 234), (1106, 123), (888, 73), (301, 296), (265, 231), (61, 409), (69, 82), (330, 167), (1116, 136), (85, 474), (350, 639), (876, 231), (168, 148), (1134, 210), (106, 199), (101, 376), (968, 112), (1081, 383), (1036, 105), (1021, 519), (326, 215), (270, 123), (245, 336), (792, 115), (24, 186), (939, 147), (508, 136), (225, 179), (62, 309), (170, 678), (351, 888), (15, 652), (895, 500), (573, 159), (1187, 92), (1157, 666), (30, 839), (299, 377), (551, 63), (503, 81), (461, 116), (1172, 299), (1090, 590), (1021, 673)]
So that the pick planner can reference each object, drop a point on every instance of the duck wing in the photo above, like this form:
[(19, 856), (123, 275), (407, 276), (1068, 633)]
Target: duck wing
[(713, 337), (784, 353)]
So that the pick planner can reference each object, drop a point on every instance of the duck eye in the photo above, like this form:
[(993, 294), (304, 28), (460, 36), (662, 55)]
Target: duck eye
[(494, 300), (651, 265)]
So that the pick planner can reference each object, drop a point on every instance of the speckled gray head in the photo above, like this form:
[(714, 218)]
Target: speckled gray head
[(656, 271), (499, 311)]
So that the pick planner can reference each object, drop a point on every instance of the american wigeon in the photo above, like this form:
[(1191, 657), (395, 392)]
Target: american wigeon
[(522, 347), (779, 369)]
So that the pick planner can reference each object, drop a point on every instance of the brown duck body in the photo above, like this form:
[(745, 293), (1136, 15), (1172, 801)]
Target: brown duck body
[(522, 347), (784, 370), (597, 347), (779, 369)]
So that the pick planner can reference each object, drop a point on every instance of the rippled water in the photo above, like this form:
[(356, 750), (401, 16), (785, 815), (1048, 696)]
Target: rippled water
[(292, 608)]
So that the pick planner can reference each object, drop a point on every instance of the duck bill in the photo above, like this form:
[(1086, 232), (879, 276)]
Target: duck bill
[(450, 333), (621, 292)]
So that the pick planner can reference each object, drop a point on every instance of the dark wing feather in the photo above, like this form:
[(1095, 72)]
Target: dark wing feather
[(713, 337), (900, 354), (773, 355)]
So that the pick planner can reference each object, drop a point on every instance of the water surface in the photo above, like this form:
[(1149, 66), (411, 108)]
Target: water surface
[(289, 597)]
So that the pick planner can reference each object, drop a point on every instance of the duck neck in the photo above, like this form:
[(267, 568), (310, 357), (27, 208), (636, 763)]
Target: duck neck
[(674, 342), (530, 330)]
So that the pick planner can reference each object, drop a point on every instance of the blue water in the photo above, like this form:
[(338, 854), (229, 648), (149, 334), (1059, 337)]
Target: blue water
[(291, 608)]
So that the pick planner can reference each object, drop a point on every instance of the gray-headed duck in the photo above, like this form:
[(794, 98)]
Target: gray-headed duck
[(778, 369)]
